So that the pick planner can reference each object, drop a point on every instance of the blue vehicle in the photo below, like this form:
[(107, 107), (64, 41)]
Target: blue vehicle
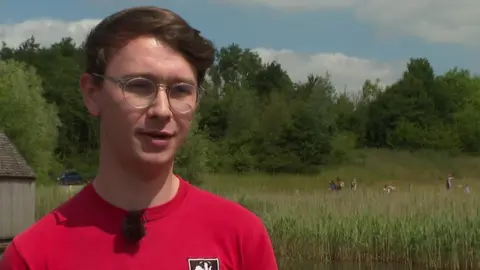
[(70, 178)]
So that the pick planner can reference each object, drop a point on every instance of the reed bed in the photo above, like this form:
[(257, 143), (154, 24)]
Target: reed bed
[(431, 229), (427, 227)]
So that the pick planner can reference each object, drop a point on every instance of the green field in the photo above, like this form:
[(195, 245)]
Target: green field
[(426, 226)]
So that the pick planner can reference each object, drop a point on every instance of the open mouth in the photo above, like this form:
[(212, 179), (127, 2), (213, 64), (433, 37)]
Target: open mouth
[(158, 135)]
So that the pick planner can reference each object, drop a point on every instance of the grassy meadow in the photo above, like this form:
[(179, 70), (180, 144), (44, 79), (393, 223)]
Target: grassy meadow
[(425, 226)]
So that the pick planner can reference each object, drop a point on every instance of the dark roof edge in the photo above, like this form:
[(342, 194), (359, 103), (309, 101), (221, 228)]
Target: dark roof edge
[(24, 170), (17, 177)]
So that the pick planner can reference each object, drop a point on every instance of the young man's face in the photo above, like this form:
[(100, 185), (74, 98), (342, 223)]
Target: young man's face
[(127, 129)]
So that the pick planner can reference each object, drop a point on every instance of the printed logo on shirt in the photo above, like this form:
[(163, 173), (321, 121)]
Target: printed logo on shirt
[(204, 264)]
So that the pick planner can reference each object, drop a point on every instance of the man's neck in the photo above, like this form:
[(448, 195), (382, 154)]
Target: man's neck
[(132, 190)]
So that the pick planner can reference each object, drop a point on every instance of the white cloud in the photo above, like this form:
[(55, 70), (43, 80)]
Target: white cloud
[(346, 70), (441, 21), (296, 5), (45, 31)]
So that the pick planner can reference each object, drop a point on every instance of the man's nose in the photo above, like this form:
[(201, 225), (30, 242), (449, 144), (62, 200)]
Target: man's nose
[(160, 107)]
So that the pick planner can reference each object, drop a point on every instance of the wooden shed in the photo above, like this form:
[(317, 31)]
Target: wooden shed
[(17, 191)]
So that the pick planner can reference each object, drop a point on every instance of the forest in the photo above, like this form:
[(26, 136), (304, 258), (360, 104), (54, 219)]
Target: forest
[(254, 118)]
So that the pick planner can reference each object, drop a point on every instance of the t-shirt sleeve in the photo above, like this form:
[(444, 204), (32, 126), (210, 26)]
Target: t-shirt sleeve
[(257, 253), (11, 259)]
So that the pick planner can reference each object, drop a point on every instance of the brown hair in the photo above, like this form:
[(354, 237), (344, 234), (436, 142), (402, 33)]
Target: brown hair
[(118, 29)]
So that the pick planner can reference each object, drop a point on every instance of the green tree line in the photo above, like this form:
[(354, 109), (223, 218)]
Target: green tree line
[(254, 118)]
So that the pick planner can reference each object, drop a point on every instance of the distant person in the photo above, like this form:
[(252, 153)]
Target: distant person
[(467, 189), (340, 184), (449, 181), (353, 185), (389, 188), (332, 186), (144, 68)]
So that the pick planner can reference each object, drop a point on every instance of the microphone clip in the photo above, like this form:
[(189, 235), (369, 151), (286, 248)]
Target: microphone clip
[(134, 226)]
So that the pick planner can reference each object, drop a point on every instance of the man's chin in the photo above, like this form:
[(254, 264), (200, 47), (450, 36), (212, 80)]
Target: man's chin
[(158, 156), (159, 159)]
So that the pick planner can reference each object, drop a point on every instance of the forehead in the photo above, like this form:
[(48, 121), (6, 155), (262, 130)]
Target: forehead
[(147, 55)]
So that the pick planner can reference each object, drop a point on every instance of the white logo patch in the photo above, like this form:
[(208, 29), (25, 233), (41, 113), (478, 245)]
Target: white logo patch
[(204, 264)]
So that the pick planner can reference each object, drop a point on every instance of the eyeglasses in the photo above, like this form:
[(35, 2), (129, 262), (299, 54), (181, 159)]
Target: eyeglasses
[(140, 93)]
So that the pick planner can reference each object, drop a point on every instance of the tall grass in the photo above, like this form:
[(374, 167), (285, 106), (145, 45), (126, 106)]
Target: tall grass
[(423, 227), (427, 226), (431, 229), (49, 197)]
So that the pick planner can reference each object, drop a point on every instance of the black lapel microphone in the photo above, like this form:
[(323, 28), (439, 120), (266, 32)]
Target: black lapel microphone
[(134, 226)]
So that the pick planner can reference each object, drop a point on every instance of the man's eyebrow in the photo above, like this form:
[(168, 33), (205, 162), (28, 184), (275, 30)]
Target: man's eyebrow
[(153, 77), (178, 79), (140, 74)]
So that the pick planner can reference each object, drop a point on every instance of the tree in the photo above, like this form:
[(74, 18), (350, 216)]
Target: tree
[(60, 66), (253, 117), (27, 118), (192, 159)]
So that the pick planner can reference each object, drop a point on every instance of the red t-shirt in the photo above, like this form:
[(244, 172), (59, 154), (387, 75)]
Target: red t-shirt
[(196, 230)]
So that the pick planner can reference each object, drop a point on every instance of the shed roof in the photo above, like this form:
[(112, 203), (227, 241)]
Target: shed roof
[(12, 163)]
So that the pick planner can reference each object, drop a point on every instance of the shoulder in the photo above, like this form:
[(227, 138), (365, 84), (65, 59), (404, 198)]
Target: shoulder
[(246, 230), (36, 233), (227, 211), (24, 252), (42, 233), (223, 216)]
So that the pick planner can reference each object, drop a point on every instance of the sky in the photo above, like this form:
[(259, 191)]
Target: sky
[(353, 40)]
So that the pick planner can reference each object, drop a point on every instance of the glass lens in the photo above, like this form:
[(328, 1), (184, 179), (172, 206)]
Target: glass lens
[(183, 97), (140, 92)]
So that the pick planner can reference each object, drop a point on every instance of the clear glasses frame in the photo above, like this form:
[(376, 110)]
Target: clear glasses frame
[(174, 103)]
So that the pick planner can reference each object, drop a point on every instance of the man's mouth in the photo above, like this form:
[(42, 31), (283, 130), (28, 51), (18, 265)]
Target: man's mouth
[(158, 135)]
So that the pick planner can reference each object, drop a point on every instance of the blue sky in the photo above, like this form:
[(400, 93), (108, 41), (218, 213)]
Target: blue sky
[(349, 38)]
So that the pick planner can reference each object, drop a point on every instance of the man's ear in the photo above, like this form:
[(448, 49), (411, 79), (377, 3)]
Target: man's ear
[(90, 93)]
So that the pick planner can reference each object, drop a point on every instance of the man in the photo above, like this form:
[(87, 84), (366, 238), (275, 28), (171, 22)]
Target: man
[(144, 66), (332, 186), (353, 185), (389, 188), (449, 181)]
